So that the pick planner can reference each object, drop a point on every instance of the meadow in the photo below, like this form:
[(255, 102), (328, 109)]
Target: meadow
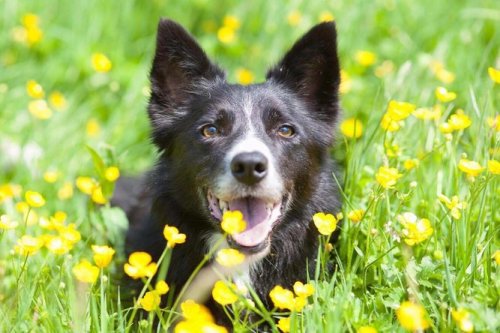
[(418, 148)]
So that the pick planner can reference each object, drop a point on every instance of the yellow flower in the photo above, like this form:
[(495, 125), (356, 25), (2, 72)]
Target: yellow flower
[(462, 318), (151, 301), (303, 290), (30, 20), (92, 128), (326, 223), (70, 233), (84, 271), (60, 216), (494, 167), (244, 76), (345, 82), (443, 95), (294, 18), (445, 76), (162, 287), (33, 35), (230, 257), (411, 164), (86, 184), (496, 256), (102, 255), (39, 109), (454, 205), (389, 124), (139, 265), (352, 128), (365, 58), (112, 173), (226, 35), (195, 326), (101, 63), (441, 73), (471, 168), (224, 294), (298, 304), (173, 236), (193, 311), (392, 150), (282, 298), (399, 110), (7, 223), (8, 191), (415, 230), (30, 33), (326, 16), (494, 74), (412, 316), (356, 215), (433, 113), (232, 222), (58, 245), (384, 69), (387, 177), (22, 207), (66, 191), (366, 329), (57, 100), (28, 245), (329, 247), (51, 176), (284, 324), (231, 22), (34, 199), (50, 224), (34, 89), (494, 123), (97, 196), (459, 120), (445, 128)]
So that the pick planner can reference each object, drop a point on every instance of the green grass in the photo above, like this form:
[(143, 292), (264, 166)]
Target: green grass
[(376, 272)]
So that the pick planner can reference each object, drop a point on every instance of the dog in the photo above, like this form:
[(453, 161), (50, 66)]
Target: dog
[(262, 149)]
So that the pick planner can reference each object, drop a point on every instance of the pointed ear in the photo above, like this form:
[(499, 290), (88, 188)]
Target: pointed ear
[(179, 63), (311, 70)]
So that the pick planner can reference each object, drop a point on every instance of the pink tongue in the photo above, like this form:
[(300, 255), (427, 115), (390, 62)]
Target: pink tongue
[(257, 218)]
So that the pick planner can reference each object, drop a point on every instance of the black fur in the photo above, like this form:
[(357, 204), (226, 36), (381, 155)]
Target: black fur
[(189, 91)]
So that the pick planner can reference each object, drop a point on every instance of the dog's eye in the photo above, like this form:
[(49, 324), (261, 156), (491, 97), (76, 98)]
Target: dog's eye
[(209, 131), (286, 131)]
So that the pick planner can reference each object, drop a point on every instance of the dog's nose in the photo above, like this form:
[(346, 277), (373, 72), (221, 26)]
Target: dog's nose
[(249, 168)]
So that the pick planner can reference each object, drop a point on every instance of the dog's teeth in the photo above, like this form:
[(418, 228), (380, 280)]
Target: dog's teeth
[(223, 205), (269, 206)]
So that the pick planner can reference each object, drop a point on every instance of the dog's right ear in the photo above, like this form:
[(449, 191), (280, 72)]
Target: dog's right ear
[(178, 66), (179, 63)]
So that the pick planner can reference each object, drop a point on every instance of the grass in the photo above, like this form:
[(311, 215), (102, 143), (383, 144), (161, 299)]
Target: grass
[(377, 270)]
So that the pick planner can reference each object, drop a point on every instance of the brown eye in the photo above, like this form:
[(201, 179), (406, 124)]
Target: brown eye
[(286, 131), (209, 131)]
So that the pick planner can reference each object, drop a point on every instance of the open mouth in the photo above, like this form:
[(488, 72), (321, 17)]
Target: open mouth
[(259, 214)]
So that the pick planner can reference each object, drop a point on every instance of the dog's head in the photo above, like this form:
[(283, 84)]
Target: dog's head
[(256, 148)]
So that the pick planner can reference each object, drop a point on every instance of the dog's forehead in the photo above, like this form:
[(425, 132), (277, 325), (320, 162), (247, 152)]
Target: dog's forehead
[(250, 101)]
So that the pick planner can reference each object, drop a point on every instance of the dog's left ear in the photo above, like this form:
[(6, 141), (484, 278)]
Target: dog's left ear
[(311, 69)]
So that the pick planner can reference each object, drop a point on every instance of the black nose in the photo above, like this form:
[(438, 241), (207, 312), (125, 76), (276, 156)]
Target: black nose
[(249, 168)]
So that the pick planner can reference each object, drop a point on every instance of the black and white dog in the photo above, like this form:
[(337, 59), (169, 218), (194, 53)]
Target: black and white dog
[(262, 149)]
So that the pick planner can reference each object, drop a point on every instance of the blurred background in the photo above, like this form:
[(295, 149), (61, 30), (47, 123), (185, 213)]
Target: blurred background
[(76, 73)]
